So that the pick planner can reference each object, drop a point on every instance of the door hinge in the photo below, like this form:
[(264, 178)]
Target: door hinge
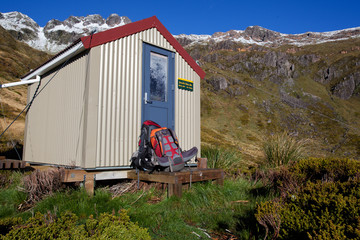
[(172, 87), (173, 55)]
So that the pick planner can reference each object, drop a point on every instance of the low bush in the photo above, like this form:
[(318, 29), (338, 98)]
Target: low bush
[(49, 226), (324, 206)]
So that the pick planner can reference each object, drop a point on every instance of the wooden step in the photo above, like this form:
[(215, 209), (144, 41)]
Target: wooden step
[(12, 164)]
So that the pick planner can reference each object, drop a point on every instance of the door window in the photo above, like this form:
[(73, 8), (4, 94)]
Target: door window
[(158, 77)]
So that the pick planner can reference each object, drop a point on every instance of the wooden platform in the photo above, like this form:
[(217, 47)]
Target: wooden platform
[(176, 180)]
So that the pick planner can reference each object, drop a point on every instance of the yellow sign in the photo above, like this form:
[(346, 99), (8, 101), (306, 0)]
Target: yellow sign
[(185, 84)]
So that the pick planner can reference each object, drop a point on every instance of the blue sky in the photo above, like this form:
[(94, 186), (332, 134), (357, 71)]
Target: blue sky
[(206, 16)]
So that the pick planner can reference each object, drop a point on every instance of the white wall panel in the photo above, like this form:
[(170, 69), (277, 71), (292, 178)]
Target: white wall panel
[(54, 124)]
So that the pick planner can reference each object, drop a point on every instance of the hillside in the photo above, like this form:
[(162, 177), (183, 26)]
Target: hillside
[(16, 59), (251, 92)]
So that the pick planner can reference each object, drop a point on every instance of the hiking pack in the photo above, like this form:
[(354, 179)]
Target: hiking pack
[(159, 150)]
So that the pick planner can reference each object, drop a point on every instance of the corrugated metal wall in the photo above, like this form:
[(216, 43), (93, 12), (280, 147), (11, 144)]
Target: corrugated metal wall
[(187, 107), (90, 113), (54, 124), (119, 112)]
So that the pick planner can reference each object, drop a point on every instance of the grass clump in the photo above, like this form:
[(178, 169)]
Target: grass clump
[(204, 209), (280, 149), (222, 158), (11, 194)]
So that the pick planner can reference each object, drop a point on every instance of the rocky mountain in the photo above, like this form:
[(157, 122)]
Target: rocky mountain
[(265, 37), (252, 91), (56, 35), (258, 82)]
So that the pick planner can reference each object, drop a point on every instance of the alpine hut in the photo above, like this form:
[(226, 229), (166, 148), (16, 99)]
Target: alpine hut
[(93, 97)]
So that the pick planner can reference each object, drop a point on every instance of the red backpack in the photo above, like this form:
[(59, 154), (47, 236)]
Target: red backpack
[(167, 149), (159, 150)]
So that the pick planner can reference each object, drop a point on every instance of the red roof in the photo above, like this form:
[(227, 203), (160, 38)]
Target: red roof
[(135, 27)]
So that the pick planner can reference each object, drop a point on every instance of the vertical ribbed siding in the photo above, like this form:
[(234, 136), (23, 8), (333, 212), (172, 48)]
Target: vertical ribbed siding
[(120, 88), (54, 127), (187, 106), (119, 110)]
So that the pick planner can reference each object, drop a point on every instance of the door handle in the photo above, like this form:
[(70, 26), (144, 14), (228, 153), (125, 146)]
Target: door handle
[(146, 99)]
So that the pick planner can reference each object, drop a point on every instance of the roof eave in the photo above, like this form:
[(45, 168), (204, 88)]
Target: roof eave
[(56, 61)]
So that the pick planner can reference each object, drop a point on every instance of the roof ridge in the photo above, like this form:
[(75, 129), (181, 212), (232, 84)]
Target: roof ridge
[(138, 26)]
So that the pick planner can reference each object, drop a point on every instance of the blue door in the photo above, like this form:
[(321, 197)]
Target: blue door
[(158, 86)]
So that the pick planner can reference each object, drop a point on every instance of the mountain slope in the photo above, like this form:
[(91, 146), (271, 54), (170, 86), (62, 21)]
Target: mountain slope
[(16, 59), (251, 92)]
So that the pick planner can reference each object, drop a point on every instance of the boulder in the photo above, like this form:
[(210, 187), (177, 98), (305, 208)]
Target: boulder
[(218, 82)]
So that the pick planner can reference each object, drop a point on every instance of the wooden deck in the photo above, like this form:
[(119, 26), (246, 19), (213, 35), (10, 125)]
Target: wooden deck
[(176, 180)]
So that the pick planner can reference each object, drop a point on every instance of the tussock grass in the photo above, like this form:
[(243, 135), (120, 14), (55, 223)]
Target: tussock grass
[(221, 158), (281, 148)]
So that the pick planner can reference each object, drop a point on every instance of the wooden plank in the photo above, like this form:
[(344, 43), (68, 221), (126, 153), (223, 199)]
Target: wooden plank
[(195, 175), (74, 175), (12, 164), (42, 167), (108, 175), (89, 184), (175, 189), (162, 177)]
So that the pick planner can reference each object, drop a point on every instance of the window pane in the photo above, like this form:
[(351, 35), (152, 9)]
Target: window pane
[(158, 77)]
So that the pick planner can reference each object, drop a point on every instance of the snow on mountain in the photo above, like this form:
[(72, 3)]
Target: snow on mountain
[(265, 37), (56, 35)]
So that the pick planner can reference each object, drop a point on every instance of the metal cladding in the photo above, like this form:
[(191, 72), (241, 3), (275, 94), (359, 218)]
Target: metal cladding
[(90, 114), (54, 124)]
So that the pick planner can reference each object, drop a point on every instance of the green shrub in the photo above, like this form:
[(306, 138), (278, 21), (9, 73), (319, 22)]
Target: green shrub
[(325, 206), (48, 226), (7, 223), (326, 169), (280, 149)]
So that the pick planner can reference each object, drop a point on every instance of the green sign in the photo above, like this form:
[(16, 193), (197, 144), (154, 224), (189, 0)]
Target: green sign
[(186, 84)]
